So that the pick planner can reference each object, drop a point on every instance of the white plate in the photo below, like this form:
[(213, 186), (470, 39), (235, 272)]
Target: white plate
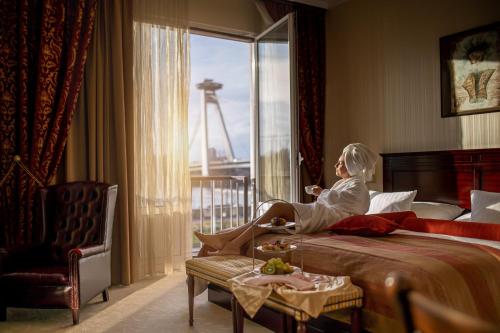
[(257, 271), (292, 248), (269, 226)]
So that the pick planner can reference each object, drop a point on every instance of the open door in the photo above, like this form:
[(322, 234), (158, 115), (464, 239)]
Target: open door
[(276, 156)]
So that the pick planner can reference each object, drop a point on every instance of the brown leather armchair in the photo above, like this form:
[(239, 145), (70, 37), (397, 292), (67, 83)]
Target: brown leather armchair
[(72, 264)]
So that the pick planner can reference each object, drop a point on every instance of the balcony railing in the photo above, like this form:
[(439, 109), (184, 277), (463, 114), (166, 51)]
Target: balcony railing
[(219, 202)]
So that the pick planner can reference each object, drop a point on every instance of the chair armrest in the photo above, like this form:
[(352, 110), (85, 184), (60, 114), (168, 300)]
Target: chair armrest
[(88, 251), (82, 261)]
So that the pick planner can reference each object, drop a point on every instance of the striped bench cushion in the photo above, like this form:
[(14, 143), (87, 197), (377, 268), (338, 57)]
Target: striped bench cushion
[(219, 269)]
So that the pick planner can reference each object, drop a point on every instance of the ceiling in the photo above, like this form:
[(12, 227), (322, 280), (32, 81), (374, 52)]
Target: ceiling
[(327, 4)]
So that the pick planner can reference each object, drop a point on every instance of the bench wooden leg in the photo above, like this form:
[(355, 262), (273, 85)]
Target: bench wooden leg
[(190, 283), (301, 326), (289, 324), (238, 316), (234, 314), (356, 320)]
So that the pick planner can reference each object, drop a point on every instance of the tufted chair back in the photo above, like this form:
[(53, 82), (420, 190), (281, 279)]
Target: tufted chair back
[(76, 215)]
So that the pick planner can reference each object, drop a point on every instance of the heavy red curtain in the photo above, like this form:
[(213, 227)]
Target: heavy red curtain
[(43, 48), (310, 42)]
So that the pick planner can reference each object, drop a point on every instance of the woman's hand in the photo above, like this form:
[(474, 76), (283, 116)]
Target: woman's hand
[(317, 190)]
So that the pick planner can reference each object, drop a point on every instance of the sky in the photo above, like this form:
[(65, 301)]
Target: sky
[(227, 62)]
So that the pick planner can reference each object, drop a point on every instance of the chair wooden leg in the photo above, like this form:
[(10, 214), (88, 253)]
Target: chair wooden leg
[(105, 295), (190, 283), (76, 316), (3, 313)]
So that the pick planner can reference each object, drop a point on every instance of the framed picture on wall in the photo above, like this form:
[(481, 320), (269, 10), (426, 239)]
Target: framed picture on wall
[(470, 71)]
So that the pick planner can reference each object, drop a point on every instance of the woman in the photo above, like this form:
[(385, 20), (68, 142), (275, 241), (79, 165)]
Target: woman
[(349, 196)]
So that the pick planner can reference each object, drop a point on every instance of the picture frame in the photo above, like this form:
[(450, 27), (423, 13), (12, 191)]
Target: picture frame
[(470, 71)]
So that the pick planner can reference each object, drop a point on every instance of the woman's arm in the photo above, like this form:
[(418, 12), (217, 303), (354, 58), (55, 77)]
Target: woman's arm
[(335, 196)]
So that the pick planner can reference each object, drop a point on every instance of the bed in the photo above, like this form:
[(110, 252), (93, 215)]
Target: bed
[(463, 275)]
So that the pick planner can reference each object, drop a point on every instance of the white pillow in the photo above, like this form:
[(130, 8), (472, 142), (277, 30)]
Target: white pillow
[(464, 218), (436, 210), (485, 206), (384, 202)]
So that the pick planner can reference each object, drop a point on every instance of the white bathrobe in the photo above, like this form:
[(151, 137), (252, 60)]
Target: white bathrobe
[(347, 197)]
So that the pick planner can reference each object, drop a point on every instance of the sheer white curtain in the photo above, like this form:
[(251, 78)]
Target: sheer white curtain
[(274, 120), (162, 233)]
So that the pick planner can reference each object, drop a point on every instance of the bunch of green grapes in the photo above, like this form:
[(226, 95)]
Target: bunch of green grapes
[(276, 266)]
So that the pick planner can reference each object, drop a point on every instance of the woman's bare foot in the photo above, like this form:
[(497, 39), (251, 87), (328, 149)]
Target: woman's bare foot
[(213, 253), (216, 241), (205, 251)]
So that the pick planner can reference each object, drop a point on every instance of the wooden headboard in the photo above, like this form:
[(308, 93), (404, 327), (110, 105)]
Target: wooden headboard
[(443, 176)]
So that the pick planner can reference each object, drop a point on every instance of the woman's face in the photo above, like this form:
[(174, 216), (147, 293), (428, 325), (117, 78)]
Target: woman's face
[(340, 169)]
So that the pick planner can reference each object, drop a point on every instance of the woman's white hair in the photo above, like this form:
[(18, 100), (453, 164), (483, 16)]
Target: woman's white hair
[(359, 160)]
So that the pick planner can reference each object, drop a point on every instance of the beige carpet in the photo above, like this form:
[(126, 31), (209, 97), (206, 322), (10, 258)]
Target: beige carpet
[(158, 305)]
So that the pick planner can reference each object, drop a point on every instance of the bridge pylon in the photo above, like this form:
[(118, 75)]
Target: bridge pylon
[(208, 90)]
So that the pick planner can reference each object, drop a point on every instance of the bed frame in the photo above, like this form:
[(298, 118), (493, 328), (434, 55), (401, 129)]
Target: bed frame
[(443, 176)]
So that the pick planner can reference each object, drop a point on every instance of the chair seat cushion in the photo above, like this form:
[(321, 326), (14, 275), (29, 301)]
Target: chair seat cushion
[(38, 276)]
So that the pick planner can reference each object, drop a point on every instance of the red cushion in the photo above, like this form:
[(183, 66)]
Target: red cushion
[(397, 217), (364, 225), (487, 231)]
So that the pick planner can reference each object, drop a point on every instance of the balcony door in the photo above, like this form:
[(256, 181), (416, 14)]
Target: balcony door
[(276, 158)]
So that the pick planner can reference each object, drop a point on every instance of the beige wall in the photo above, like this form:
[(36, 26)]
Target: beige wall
[(383, 81), (231, 16)]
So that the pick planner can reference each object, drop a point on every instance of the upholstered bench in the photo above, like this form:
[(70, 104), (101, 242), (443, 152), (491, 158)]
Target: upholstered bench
[(217, 270)]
